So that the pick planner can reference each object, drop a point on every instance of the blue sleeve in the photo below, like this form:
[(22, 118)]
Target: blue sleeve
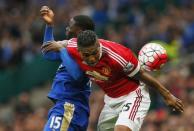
[(48, 36), (71, 66)]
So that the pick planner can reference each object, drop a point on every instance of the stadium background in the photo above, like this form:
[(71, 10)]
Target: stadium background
[(25, 77)]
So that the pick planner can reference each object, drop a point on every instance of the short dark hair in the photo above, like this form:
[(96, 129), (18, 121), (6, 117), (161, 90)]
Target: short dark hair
[(86, 38), (84, 22)]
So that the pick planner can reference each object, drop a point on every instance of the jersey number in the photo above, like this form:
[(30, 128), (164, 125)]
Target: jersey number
[(126, 107), (55, 122)]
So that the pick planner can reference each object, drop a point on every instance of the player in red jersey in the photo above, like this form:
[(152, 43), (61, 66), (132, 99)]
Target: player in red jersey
[(117, 71)]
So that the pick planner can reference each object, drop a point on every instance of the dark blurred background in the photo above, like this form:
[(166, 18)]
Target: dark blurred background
[(25, 77)]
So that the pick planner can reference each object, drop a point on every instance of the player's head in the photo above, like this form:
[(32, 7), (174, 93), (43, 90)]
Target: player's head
[(79, 23), (89, 47)]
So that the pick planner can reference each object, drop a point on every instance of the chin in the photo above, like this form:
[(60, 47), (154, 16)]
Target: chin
[(91, 64)]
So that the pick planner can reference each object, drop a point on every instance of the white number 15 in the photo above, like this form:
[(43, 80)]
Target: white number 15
[(55, 122)]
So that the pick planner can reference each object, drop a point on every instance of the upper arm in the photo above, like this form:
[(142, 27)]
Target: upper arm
[(132, 65), (146, 78)]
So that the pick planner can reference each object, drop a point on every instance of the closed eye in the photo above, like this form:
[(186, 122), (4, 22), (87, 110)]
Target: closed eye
[(89, 54)]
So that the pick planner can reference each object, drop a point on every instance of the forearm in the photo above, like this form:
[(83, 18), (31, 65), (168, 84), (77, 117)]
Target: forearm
[(71, 66), (48, 36), (152, 82)]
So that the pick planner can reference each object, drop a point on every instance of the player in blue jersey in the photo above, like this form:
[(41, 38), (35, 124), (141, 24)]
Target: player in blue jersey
[(70, 90)]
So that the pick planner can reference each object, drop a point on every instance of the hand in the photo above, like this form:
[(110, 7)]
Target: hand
[(174, 102), (52, 46), (47, 15)]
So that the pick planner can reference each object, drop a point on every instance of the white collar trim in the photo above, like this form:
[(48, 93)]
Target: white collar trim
[(100, 51)]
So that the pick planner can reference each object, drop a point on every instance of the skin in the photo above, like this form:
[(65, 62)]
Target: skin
[(72, 30), (91, 56), (143, 76), (121, 128), (48, 16)]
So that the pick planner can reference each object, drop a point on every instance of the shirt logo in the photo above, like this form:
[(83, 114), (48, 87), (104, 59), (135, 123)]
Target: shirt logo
[(106, 70), (128, 67), (97, 75)]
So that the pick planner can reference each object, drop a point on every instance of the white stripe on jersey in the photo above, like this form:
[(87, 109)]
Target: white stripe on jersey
[(72, 43), (72, 46), (117, 57), (113, 57), (135, 71), (69, 44), (116, 60)]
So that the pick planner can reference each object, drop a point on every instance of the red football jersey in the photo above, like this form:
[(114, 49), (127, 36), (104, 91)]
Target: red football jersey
[(114, 70)]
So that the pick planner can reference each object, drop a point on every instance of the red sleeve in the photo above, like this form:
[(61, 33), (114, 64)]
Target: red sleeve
[(126, 59), (72, 47), (133, 66)]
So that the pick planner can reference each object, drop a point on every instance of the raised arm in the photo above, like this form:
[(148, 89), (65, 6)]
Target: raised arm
[(169, 98), (133, 70), (62, 54), (48, 37), (48, 17)]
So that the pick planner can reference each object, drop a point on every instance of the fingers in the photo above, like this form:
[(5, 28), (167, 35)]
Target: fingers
[(51, 46), (44, 10), (47, 47), (44, 46), (179, 105)]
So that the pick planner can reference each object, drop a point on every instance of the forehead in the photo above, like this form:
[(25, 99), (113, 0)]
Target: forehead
[(89, 49)]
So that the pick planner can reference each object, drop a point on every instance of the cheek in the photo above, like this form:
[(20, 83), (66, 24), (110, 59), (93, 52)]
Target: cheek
[(82, 57), (97, 56)]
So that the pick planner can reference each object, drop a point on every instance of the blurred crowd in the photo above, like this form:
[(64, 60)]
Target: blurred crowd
[(130, 22), (180, 81), (26, 112)]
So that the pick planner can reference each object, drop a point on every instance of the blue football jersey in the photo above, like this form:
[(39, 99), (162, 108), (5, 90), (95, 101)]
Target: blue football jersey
[(65, 116), (70, 92), (70, 83), (65, 88)]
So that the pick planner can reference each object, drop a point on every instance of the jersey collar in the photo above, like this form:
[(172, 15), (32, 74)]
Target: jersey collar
[(100, 51)]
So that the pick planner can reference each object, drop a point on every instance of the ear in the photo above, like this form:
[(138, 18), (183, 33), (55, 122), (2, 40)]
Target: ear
[(78, 29)]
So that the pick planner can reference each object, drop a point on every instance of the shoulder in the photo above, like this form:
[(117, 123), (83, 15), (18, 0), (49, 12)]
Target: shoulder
[(113, 48), (72, 42), (72, 46), (115, 51)]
